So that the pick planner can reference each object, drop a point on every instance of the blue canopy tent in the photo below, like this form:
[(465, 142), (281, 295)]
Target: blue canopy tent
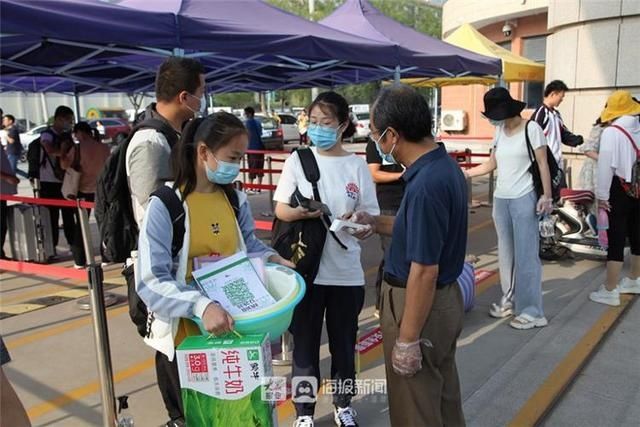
[(88, 46), (431, 57), (244, 45)]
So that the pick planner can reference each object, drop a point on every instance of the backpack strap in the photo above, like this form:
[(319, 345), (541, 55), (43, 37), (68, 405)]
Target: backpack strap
[(312, 174), (310, 169), (624, 131), (233, 198), (172, 202), (160, 126)]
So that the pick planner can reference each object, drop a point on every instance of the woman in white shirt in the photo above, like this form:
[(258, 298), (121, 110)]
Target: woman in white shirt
[(345, 186), (619, 151), (516, 208)]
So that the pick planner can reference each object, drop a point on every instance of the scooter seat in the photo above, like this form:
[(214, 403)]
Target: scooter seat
[(583, 197)]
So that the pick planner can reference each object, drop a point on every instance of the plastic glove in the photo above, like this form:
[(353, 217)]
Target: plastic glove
[(406, 358), (365, 219), (544, 206)]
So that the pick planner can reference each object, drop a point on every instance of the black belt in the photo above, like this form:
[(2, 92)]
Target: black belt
[(398, 283)]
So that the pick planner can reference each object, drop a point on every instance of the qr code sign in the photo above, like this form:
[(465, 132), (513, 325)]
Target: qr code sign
[(198, 368)]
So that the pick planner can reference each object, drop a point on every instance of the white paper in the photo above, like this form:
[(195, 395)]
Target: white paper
[(235, 284)]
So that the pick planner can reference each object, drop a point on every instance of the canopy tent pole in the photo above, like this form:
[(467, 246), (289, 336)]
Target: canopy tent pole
[(76, 105), (436, 125), (45, 113), (396, 75)]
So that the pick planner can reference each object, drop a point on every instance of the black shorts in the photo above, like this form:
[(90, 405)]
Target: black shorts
[(256, 161)]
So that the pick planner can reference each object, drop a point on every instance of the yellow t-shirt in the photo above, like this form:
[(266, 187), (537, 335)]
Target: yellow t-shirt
[(213, 232)]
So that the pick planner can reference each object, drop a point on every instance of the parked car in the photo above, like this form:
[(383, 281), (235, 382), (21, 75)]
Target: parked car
[(361, 120), (112, 131), (272, 136), (289, 127), (31, 135)]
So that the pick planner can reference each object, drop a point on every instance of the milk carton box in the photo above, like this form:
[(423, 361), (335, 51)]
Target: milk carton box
[(222, 381)]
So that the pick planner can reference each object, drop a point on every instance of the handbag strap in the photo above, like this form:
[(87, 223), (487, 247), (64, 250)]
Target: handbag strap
[(76, 157), (530, 151)]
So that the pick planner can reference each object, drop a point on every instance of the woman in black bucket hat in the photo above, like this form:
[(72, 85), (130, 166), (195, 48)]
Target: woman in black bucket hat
[(516, 207)]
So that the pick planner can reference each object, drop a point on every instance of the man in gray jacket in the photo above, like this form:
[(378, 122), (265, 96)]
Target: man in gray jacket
[(180, 96)]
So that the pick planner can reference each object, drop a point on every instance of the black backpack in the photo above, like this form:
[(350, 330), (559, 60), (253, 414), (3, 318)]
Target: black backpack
[(556, 173), (114, 211), (302, 241), (138, 311), (35, 162)]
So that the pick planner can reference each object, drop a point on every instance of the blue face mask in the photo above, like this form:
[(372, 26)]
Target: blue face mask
[(386, 157), (224, 174), (324, 137), (496, 123)]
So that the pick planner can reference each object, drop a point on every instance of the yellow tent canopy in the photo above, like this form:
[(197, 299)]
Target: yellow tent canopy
[(515, 68)]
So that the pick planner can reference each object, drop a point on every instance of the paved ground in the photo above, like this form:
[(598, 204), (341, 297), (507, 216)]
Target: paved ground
[(502, 370)]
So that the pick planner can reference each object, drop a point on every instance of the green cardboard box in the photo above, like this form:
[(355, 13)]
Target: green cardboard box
[(221, 381)]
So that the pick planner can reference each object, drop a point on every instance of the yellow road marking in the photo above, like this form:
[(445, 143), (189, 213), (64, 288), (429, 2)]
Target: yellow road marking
[(480, 226), (556, 383), (20, 308), (86, 390), (74, 324), (72, 293)]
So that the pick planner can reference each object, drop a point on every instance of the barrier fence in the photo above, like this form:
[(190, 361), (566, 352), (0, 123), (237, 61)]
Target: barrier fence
[(94, 274)]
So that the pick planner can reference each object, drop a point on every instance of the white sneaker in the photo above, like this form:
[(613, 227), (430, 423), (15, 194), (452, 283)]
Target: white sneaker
[(304, 421), (629, 286), (603, 296), (345, 417)]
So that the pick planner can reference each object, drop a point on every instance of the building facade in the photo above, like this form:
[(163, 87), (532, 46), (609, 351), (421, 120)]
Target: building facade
[(592, 45)]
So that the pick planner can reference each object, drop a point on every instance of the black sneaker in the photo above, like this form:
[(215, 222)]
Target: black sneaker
[(345, 417), (179, 422)]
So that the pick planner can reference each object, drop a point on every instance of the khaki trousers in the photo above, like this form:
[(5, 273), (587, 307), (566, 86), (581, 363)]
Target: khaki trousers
[(431, 398)]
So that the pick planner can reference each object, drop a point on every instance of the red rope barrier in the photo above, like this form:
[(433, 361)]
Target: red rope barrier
[(264, 225), (262, 171), (258, 186), (43, 270), (46, 202)]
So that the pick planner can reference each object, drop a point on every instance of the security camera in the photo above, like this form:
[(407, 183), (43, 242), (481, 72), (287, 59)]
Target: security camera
[(507, 29)]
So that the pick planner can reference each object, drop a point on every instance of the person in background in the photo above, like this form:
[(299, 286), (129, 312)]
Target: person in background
[(421, 305), (45, 166), (8, 186), (92, 156), (619, 152), (390, 190), (207, 160), (11, 408), (337, 292), (516, 208), (548, 117), (591, 147), (14, 147), (256, 160), (303, 124)]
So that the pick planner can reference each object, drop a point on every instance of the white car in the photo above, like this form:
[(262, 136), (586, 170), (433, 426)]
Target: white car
[(289, 127), (31, 135), (361, 120)]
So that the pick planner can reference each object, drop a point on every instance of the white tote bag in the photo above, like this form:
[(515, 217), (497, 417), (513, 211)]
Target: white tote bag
[(71, 180)]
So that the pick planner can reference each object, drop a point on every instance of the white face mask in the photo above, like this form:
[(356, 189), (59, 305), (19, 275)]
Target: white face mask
[(203, 105)]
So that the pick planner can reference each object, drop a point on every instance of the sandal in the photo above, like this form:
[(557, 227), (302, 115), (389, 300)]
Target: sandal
[(502, 310), (525, 321)]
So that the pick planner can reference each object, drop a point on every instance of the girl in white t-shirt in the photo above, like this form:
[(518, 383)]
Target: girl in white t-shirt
[(345, 186), (516, 208)]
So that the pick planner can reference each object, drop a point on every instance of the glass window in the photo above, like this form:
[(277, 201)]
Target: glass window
[(535, 49)]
